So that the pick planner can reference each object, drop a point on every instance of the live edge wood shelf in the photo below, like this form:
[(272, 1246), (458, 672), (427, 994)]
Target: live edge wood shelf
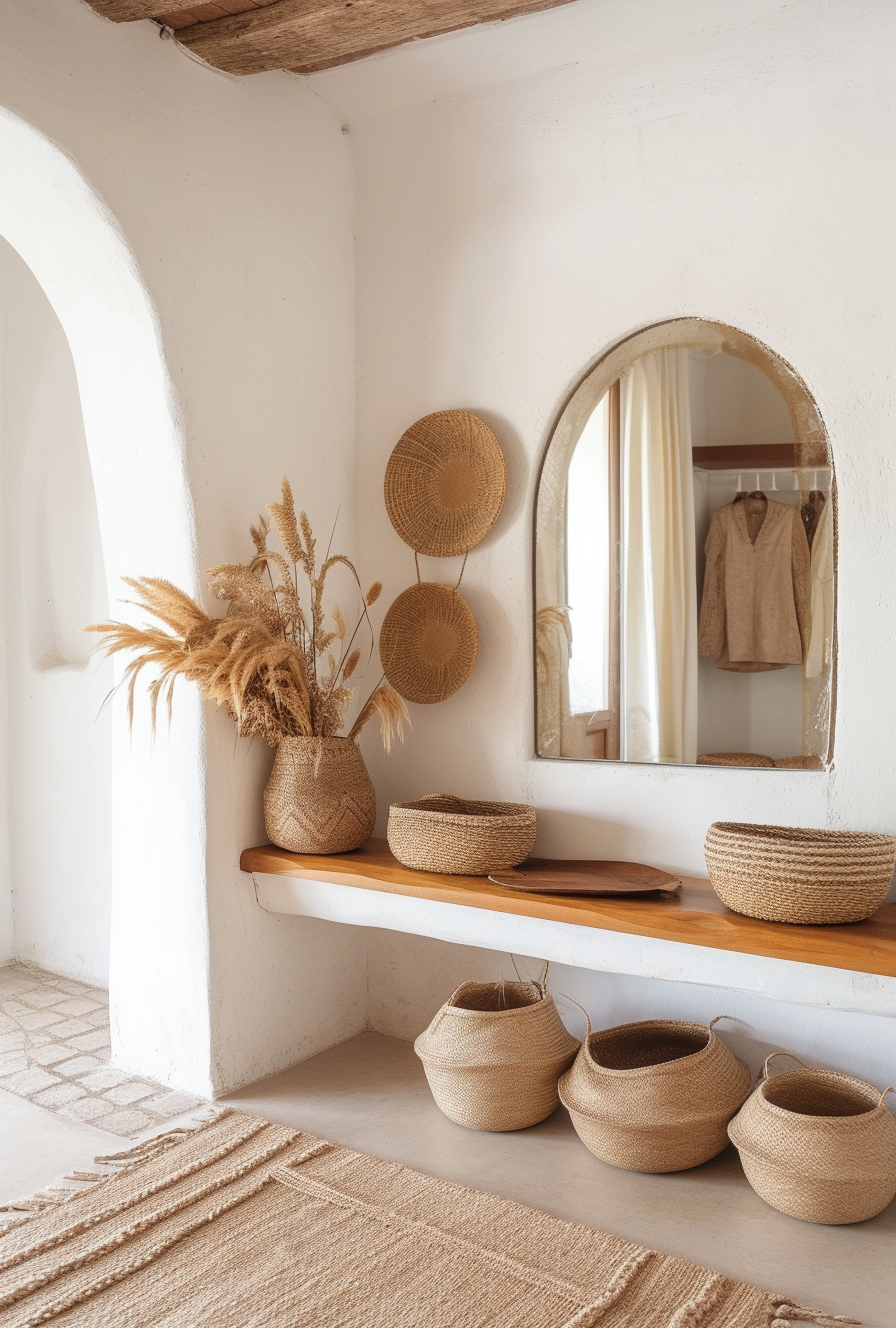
[(694, 917)]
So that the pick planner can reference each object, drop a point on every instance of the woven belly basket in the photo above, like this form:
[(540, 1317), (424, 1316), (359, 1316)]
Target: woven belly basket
[(493, 1055), (818, 1145), (654, 1096)]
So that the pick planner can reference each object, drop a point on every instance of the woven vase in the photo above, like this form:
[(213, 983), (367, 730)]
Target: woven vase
[(654, 1096), (818, 1145), (493, 1055), (319, 798)]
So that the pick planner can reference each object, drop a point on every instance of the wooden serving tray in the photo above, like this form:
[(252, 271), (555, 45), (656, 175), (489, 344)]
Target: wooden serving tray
[(539, 877)]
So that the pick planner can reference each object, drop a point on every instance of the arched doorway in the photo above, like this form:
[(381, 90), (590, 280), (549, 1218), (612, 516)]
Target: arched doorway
[(159, 949)]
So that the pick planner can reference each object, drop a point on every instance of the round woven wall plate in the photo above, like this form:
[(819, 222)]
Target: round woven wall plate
[(428, 643), (445, 483)]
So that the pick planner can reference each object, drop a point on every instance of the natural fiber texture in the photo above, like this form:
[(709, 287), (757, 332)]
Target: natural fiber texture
[(441, 833), (445, 483), (654, 1096), (493, 1055), (799, 763), (818, 1145), (784, 874), (736, 758), (428, 643), (244, 1224), (319, 798)]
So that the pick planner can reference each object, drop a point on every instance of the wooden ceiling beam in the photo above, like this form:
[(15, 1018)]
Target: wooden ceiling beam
[(128, 11), (307, 35)]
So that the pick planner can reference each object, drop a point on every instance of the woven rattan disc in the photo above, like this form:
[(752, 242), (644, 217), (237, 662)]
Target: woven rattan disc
[(445, 483), (428, 643)]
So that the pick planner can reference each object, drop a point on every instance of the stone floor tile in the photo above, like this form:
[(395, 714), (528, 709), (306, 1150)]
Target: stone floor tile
[(171, 1104), (41, 997), (90, 1109), (78, 1066), (15, 979), (99, 1018), (73, 988), (13, 1061), (98, 1081), (13, 1008), (28, 1081), (60, 1095), (130, 1092), (71, 1028), (39, 1019), (79, 1005), (127, 1123), (13, 1041), (51, 1054), (98, 1040), (7, 1024)]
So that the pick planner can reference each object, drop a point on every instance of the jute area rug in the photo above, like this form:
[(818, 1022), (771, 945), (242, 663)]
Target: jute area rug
[(244, 1224)]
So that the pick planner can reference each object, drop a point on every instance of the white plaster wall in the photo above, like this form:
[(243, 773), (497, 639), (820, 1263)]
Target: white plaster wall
[(59, 769), (410, 977), (720, 161), (235, 198)]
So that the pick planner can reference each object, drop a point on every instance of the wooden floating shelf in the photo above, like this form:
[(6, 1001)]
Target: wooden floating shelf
[(696, 916)]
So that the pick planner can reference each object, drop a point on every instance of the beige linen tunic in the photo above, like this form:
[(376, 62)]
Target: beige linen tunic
[(755, 609)]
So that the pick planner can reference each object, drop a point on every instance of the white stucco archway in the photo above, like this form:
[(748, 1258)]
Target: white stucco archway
[(159, 926)]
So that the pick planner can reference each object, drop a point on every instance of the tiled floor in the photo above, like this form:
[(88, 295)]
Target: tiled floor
[(54, 1051)]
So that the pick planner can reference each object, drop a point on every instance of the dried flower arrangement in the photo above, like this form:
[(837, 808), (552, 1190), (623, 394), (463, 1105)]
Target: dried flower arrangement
[(277, 669)]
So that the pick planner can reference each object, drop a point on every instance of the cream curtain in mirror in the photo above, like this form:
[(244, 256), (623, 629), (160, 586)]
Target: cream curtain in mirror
[(658, 571)]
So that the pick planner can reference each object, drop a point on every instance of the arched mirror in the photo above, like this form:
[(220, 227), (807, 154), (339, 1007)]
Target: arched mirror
[(685, 541)]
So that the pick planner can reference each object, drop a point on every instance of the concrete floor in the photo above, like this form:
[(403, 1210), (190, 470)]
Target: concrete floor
[(37, 1146), (371, 1094)]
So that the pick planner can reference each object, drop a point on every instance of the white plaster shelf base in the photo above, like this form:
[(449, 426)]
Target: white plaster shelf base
[(580, 946)]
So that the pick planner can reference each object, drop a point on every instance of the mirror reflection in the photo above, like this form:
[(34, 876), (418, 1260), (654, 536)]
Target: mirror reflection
[(685, 570)]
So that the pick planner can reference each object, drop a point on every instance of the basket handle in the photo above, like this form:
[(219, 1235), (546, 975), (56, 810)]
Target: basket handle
[(542, 982), (891, 1089), (587, 1016), (713, 1022), (764, 1074)]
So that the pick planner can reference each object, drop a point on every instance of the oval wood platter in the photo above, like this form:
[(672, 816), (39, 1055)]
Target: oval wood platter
[(586, 878)]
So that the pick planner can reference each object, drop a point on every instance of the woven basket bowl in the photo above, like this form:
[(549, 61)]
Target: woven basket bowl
[(445, 483), (654, 1096), (784, 874), (493, 1055), (818, 1146), (441, 833)]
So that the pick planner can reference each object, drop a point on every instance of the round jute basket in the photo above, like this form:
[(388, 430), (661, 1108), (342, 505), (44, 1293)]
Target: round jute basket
[(818, 1145), (428, 643), (445, 483), (441, 833), (654, 1096), (319, 798), (784, 874), (493, 1055)]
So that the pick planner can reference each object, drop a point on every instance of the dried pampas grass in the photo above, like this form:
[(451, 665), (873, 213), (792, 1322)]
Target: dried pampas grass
[(274, 665)]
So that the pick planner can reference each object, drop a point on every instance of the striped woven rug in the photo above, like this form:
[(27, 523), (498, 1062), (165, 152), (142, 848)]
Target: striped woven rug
[(244, 1224)]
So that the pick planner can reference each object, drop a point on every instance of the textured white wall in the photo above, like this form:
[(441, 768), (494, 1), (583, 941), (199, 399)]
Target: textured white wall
[(59, 744), (235, 200), (719, 161)]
